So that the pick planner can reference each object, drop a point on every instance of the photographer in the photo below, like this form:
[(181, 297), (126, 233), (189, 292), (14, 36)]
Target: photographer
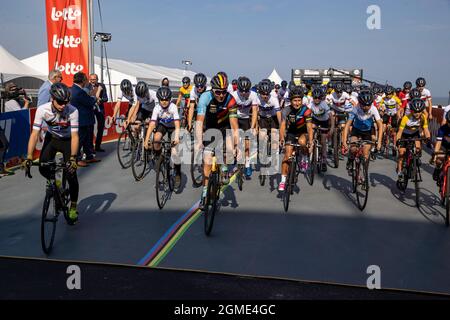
[(16, 98)]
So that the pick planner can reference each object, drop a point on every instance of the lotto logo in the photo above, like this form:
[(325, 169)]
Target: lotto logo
[(71, 13), (69, 68), (67, 42)]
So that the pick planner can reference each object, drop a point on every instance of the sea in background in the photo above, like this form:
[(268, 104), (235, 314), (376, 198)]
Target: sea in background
[(443, 101)]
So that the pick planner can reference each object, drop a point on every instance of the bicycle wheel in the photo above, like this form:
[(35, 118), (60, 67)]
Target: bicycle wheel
[(311, 166), (124, 149), (196, 171), (355, 173), (262, 180), (289, 189), (138, 160), (318, 156), (162, 184), (415, 175), (362, 189), (170, 173), (211, 202), (447, 199), (240, 177), (336, 147), (48, 222)]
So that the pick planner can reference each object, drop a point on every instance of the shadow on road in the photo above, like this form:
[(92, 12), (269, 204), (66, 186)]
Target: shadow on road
[(97, 203)]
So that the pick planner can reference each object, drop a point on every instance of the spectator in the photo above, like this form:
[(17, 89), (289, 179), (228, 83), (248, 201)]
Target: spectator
[(99, 112), (165, 82), (54, 76), (85, 105), (16, 98)]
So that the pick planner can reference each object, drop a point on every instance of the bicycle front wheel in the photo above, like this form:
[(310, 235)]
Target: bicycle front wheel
[(416, 176), (336, 147), (240, 177), (124, 150), (311, 166), (161, 183), (362, 184), (196, 171), (139, 160), (211, 204), (289, 186), (48, 223)]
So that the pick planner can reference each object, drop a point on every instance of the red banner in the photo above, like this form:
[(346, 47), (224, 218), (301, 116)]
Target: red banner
[(67, 37)]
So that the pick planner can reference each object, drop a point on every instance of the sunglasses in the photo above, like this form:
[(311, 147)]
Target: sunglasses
[(61, 102), (220, 92), (164, 100), (186, 83), (200, 87)]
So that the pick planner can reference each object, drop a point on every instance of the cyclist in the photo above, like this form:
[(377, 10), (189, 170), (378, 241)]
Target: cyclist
[(234, 84), (391, 107), (320, 112), (425, 96), (297, 125), (338, 101), (413, 94), (442, 144), (183, 96), (126, 95), (282, 92), (362, 121), (404, 93), (61, 119), (216, 110), (198, 89), (409, 128), (378, 96), (143, 108), (166, 119), (247, 110)]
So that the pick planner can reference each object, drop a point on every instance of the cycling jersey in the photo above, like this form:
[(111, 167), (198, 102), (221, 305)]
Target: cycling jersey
[(166, 116), (377, 101), (126, 98), (60, 124), (148, 103), (320, 112), (270, 108), (195, 95), (426, 94), (403, 98), (244, 104), (391, 105), (338, 102), (446, 109), (185, 93), (297, 119), (217, 114), (444, 136), (411, 125), (364, 121)]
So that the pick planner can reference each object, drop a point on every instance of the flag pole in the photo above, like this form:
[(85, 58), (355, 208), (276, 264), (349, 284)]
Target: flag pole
[(90, 13)]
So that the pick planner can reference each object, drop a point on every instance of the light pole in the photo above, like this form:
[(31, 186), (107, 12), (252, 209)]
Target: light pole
[(186, 64)]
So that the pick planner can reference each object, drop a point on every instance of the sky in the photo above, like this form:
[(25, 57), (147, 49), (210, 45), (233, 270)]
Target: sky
[(245, 37)]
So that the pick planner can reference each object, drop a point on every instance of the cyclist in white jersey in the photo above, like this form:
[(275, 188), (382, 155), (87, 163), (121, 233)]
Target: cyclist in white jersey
[(126, 95), (425, 96)]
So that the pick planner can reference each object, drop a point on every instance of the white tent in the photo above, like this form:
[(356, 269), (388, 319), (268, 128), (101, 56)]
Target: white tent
[(121, 69), (275, 77), (12, 68)]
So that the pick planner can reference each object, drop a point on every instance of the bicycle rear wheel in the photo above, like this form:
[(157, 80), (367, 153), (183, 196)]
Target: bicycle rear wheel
[(161, 183), (289, 185), (138, 160), (48, 222), (124, 150), (336, 147), (211, 202), (416, 175), (362, 185), (196, 171)]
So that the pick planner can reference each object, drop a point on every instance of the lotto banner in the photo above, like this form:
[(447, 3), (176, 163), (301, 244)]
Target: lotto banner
[(67, 37)]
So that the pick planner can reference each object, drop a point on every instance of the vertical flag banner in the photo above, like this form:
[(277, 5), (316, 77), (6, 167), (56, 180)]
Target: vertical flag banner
[(68, 37)]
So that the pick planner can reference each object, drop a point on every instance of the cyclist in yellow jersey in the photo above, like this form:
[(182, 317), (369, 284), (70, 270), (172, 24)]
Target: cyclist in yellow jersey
[(185, 92), (410, 128), (390, 109)]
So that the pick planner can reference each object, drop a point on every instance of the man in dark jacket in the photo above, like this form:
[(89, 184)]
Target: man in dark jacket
[(85, 104), (99, 112)]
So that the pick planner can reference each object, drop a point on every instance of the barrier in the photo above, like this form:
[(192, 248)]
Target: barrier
[(16, 125)]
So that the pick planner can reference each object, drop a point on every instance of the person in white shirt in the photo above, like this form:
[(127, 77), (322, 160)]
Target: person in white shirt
[(425, 96), (126, 95)]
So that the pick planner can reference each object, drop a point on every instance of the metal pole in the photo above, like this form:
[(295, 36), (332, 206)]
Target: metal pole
[(2, 102), (101, 60), (90, 13)]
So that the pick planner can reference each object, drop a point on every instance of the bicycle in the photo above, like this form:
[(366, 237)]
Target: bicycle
[(165, 178), (316, 158), (125, 145), (411, 167), (444, 185), (292, 176), (388, 140), (213, 194), (140, 155), (360, 173), (57, 198), (262, 177), (196, 168)]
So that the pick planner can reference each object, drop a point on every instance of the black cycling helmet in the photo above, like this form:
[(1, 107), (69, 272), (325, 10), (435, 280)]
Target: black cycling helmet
[(141, 89), (365, 98), (417, 105), (296, 92), (244, 84), (305, 91), (264, 88), (277, 87), (200, 80), (234, 82), (398, 90), (420, 82), (389, 90), (186, 80), (348, 88), (60, 92), (223, 73), (164, 93), (339, 87), (415, 94), (220, 82), (317, 93), (407, 85), (284, 84), (377, 89), (330, 85), (291, 85), (126, 86)]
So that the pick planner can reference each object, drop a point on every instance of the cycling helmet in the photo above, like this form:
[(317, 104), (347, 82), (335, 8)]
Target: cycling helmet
[(305, 91), (141, 89), (219, 81), (365, 98), (126, 86), (264, 88), (377, 89), (297, 92), (164, 93), (339, 87), (417, 105), (349, 88), (60, 92), (398, 90), (389, 90), (186, 80), (200, 80), (277, 87), (407, 85), (415, 94), (223, 73), (234, 82), (420, 82), (244, 84), (284, 84), (317, 93)]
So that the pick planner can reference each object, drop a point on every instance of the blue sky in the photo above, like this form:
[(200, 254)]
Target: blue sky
[(244, 37)]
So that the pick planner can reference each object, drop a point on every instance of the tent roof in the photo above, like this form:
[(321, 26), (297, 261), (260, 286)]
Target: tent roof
[(275, 77), (12, 68)]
